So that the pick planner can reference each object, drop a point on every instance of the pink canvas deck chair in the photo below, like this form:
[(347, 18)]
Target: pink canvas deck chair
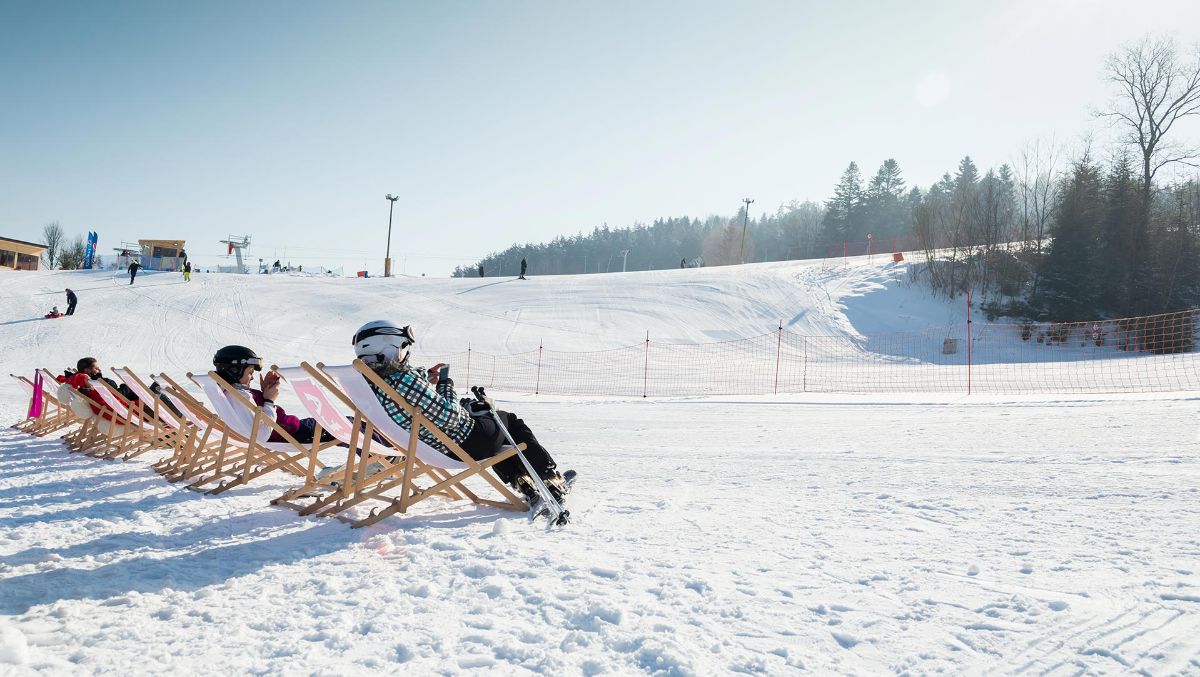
[(244, 424), (40, 409), (351, 384), (53, 415), (161, 428)]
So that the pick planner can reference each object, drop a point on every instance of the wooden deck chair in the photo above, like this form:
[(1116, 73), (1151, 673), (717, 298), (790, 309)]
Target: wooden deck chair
[(339, 491), (100, 433), (133, 439), (204, 454), (161, 427), (53, 416), (357, 392), (244, 424)]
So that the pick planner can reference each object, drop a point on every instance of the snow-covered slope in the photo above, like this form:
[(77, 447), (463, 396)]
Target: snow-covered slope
[(774, 535)]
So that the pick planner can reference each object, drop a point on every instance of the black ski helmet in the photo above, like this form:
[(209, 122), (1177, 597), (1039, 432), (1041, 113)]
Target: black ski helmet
[(231, 360)]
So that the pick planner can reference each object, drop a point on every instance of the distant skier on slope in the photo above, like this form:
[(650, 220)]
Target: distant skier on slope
[(384, 347), (524, 266), (134, 267)]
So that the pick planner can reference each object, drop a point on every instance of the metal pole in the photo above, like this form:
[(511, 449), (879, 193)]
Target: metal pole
[(745, 222), (778, 346), (969, 341), (387, 257), (646, 365), (538, 385)]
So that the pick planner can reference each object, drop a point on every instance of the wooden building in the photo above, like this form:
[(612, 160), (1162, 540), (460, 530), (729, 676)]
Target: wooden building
[(167, 249), (19, 254)]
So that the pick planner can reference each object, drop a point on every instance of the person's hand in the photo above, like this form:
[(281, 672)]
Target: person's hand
[(433, 372), (269, 384)]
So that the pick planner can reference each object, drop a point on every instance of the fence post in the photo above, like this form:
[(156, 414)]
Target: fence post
[(538, 386), (969, 340), (805, 344), (778, 345), (468, 381), (646, 365)]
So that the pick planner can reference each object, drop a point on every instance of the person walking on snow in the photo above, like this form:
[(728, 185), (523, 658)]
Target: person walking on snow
[(384, 347), (133, 269), (481, 270), (524, 265), (72, 299), (187, 272)]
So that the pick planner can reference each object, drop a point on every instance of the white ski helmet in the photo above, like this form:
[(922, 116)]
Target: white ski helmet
[(382, 341)]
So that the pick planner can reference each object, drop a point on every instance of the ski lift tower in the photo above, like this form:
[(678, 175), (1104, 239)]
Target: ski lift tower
[(236, 244)]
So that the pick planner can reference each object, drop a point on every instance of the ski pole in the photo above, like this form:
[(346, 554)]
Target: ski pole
[(538, 484)]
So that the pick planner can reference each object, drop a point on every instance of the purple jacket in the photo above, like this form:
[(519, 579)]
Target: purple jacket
[(285, 421)]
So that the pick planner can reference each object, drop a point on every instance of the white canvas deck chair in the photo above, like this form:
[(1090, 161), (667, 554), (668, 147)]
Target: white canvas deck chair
[(245, 425), (161, 428), (102, 432), (137, 437), (414, 459), (355, 482), (53, 416), (202, 456)]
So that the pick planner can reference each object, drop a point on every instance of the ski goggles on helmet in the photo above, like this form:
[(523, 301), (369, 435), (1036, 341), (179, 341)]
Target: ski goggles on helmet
[(405, 332), (255, 362)]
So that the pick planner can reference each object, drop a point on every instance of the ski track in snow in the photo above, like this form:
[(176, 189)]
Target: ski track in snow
[(1053, 535)]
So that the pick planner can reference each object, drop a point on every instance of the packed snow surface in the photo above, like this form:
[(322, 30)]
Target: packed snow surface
[(767, 534)]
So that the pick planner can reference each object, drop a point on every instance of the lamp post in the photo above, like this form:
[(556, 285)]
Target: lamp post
[(745, 221), (387, 257)]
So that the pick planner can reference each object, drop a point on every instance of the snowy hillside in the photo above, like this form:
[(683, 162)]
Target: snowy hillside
[(764, 534)]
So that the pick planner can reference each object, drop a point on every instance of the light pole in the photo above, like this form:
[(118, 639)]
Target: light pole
[(745, 220), (387, 257), (624, 255)]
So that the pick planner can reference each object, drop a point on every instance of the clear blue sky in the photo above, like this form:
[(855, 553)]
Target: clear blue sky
[(502, 122)]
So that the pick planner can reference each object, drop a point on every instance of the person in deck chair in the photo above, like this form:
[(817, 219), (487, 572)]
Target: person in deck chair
[(87, 370), (236, 366), (384, 347)]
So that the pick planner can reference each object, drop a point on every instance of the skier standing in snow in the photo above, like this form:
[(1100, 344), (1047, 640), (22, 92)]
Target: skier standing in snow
[(187, 272), (524, 265), (133, 269), (384, 347), (481, 270), (72, 299)]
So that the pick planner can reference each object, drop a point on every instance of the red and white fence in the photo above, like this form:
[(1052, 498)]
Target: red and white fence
[(1134, 355)]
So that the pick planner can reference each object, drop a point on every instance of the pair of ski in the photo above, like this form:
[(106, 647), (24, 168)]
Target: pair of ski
[(544, 502)]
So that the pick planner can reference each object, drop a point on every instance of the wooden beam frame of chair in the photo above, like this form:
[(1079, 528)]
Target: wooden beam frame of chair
[(246, 424), (206, 453), (53, 415), (352, 384), (339, 491), (163, 428)]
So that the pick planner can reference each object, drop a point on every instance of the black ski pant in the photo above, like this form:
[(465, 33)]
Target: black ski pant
[(486, 440), (132, 274), (71, 308)]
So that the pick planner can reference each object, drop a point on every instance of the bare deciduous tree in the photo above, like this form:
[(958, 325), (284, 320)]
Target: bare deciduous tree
[(1037, 182), (71, 257), (52, 233), (1156, 88)]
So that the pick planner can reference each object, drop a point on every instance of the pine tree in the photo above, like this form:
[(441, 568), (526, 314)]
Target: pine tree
[(1070, 286), (843, 212)]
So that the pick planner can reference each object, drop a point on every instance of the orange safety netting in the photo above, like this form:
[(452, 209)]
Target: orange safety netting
[(1134, 355)]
